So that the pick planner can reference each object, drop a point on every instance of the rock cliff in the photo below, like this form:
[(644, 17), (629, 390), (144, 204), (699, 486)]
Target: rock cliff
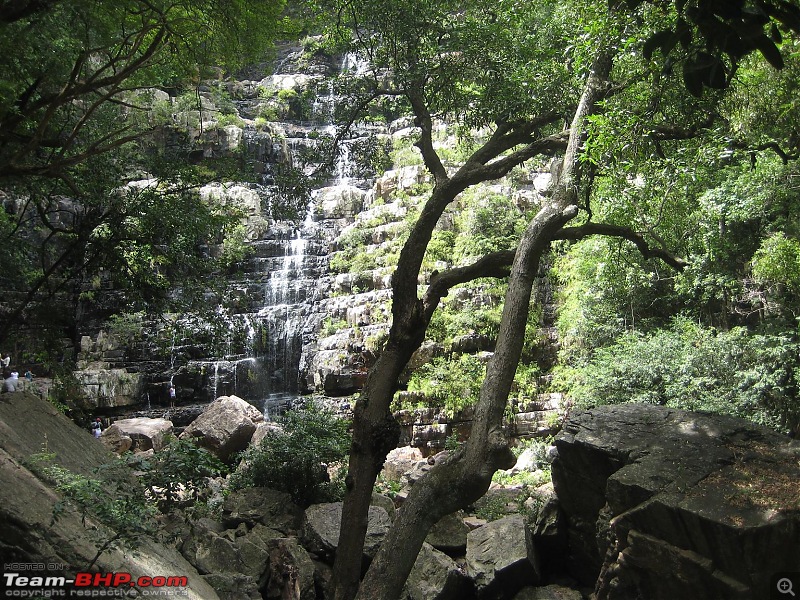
[(47, 547), (663, 504)]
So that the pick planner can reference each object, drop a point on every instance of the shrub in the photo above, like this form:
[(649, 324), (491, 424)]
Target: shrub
[(111, 496), (695, 368), (296, 459), (180, 470)]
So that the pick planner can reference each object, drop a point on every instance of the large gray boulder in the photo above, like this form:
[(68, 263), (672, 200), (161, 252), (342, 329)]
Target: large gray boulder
[(449, 534), (146, 434), (225, 426), (663, 503), (501, 557), (322, 525)]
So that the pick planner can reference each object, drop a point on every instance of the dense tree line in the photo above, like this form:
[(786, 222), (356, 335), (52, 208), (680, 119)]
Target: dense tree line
[(80, 110)]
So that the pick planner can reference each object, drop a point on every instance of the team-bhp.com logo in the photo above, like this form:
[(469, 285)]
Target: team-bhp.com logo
[(92, 585)]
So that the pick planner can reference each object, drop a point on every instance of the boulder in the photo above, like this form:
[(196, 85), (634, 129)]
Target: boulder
[(548, 528), (262, 430), (500, 558), (146, 434), (233, 586), (321, 527), (385, 503), (261, 505), (225, 426), (449, 535), (662, 503), (435, 576), (115, 440), (399, 461)]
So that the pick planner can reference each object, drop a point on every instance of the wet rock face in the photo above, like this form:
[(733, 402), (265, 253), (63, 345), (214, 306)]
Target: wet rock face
[(663, 504)]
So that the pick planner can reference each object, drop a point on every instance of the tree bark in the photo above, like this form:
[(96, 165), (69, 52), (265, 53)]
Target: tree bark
[(462, 479)]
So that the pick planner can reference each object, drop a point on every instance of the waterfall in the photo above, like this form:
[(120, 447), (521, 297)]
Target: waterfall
[(274, 294)]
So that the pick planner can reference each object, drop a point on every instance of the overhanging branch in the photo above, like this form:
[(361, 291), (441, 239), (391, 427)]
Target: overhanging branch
[(498, 264), (589, 229)]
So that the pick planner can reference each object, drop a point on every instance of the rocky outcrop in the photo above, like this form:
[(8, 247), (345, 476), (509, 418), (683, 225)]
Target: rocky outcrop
[(322, 524), (225, 426), (261, 505), (436, 576), (663, 504), (29, 425)]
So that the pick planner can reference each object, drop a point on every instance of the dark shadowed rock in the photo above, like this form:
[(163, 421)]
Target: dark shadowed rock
[(549, 592), (436, 576), (321, 527), (261, 505), (449, 535), (225, 426), (664, 504), (233, 586), (291, 571), (500, 557)]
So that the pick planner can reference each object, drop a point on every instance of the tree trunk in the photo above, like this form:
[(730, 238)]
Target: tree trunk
[(457, 482), (375, 431)]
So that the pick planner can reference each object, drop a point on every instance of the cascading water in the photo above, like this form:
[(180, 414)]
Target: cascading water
[(279, 284)]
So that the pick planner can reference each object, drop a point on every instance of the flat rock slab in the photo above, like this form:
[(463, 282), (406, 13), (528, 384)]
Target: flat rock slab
[(146, 434), (662, 503)]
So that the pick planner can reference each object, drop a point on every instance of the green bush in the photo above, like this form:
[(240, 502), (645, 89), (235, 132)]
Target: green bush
[(179, 471), (296, 459), (451, 384), (112, 496), (693, 367)]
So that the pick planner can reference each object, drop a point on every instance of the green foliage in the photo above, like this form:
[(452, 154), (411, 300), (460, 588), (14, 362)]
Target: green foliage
[(296, 458), (112, 496), (331, 326), (178, 474), (451, 384), (695, 368), (490, 222), (126, 326), (387, 487), (778, 261)]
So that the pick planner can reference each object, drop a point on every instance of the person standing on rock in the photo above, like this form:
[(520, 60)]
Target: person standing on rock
[(97, 427), (171, 396)]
